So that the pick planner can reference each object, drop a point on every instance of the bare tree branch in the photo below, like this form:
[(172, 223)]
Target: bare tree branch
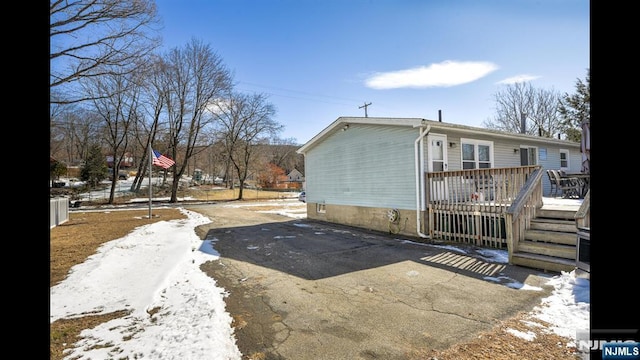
[(93, 38), (521, 100)]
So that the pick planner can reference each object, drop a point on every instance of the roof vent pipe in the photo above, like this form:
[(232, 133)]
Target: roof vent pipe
[(440, 115), (523, 123)]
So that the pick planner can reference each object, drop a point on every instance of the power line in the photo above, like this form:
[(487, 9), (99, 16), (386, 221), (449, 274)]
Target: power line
[(296, 92), (299, 97)]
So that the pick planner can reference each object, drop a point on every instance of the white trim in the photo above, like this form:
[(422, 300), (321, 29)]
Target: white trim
[(475, 143), (568, 159)]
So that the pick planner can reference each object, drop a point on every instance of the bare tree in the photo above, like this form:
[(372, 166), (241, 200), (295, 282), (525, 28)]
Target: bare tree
[(92, 38), (215, 160), (71, 133), (283, 154), (195, 79), (522, 101), (116, 99), (71, 130), (145, 130), (246, 121)]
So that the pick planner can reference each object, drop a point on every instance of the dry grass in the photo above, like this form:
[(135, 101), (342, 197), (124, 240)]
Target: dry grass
[(73, 242), (501, 344)]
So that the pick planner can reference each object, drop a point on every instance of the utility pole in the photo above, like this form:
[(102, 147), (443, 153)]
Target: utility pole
[(365, 108)]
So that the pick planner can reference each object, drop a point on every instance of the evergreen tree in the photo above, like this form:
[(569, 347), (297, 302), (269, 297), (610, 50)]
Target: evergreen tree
[(95, 167), (56, 169), (576, 109)]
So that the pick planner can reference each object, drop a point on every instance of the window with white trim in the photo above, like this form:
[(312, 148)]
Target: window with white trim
[(476, 154), (564, 159)]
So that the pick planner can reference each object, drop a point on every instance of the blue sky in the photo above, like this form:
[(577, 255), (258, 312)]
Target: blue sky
[(318, 60)]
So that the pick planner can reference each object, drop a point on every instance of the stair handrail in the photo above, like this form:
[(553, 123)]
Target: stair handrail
[(518, 216), (582, 216)]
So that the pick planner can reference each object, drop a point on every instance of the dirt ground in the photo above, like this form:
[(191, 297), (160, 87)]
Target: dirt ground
[(72, 242)]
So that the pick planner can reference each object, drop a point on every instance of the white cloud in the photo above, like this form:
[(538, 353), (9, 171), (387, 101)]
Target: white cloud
[(444, 74), (518, 79)]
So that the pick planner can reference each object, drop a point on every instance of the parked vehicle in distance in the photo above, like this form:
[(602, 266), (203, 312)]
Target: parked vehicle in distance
[(122, 174), (303, 196)]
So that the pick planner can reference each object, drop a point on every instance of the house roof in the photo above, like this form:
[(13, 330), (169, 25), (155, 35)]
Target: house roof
[(343, 121), (294, 172)]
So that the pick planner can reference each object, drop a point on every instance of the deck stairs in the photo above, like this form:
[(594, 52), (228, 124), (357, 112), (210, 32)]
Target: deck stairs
[(550, 242)]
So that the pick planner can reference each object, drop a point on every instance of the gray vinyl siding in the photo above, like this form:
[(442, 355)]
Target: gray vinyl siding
[(366, 165), (553, 162), (504, 156)]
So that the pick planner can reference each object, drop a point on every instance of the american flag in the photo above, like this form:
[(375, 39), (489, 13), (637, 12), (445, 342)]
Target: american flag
[(161, 160)]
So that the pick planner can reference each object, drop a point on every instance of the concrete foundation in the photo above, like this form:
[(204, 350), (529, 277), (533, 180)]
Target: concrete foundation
[(393, 221)]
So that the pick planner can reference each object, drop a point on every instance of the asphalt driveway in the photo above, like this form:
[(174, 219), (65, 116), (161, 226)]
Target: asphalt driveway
[(300, 289)]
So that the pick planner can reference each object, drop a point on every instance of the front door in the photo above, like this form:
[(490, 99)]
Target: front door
[(437, 161)]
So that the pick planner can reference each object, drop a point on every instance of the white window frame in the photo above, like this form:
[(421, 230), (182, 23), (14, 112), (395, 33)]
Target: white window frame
[(568, 159), (476, 143)]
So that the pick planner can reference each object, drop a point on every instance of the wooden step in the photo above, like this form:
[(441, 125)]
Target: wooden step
[(547, 263), (555, 237), (541, 248), (555, 214), (553, 225), (550, 242)]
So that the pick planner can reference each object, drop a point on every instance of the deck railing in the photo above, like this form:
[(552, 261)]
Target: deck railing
[(583, 215), (518, 216), (469, 206), (583, 226)]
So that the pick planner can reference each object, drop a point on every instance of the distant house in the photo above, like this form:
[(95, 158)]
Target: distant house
[(295, 176), (368, 172), (127, 161)]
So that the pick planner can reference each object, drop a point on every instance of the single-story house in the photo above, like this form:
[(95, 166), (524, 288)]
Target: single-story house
[(390, 174), (295, 175)]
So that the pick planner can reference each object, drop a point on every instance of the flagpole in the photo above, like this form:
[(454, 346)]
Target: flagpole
[(150, 167)]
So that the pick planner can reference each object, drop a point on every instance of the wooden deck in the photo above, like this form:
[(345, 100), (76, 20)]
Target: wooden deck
[(504, 208)]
